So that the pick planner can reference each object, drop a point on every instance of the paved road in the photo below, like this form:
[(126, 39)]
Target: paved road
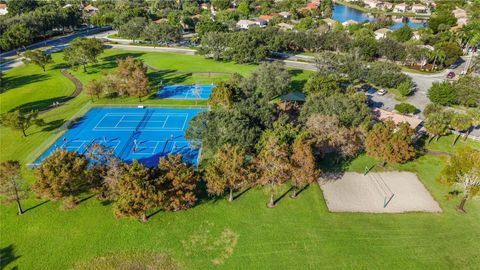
[(54, 44)]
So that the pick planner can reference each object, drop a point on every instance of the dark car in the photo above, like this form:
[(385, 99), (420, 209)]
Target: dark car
[(451, 75)]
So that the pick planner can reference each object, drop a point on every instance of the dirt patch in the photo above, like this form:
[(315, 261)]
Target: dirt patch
[(130, 261), (386, 192)]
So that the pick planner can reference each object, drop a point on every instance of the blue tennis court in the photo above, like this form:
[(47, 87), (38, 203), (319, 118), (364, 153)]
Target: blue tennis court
[(194, 92), (132, 133)]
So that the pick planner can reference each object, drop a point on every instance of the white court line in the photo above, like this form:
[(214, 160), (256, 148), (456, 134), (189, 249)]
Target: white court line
[(98, 123), (184, 122), (119, 121), (163, 126)]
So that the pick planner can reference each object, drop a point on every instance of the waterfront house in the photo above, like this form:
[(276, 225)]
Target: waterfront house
[(330, 22), (382, 33), (400, 8), (349, 22), (461, 16), (419, 8), (90, 10), (372, 3)]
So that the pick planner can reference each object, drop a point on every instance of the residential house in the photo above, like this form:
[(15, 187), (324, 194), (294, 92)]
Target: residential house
[(245, 24), (402, 7), (412, 121), (285, 26), (349, 22), (266, 18), (330, 22), (312, 6), (3, 9), (416, 35), (285, 14), (382, 33), (204, 6), (90, 10), (419, 8), (461, 16), (261, 22), (372, 3), (387, 6)]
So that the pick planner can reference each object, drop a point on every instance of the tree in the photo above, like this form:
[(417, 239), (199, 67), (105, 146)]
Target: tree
[(61, 174), (452, 51), (391, 49), (274, 166), (405, 108), (390, 142), (467, 91), (365, 44), (178, 182), (402, 34), (438, 56), (282, 129), (17, 7), (221, 95), (271, 80), (463, 169), (18, 120), (328, 136), (442, 93), (94, 88), (432, 108), (83, 51), (228, 170), (137, 192), (12, 186), (133, 29), (16, 36), (437, 124), (161, 32), (405, 88), (386, 74), (351, 110), (138, 84), (460, 122), (214, 45), (221, 4), (322, 84), (37, 57), (303, 167)]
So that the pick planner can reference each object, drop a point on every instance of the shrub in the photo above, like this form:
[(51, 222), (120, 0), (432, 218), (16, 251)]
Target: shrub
[(442, 93), (405, 108), (405, 88)]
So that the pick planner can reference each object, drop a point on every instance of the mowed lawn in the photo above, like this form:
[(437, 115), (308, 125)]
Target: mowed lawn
[(297, 234), (28, 87)]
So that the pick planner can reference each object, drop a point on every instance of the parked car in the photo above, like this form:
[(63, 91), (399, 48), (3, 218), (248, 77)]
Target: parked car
[(371, 90), (451, 75), (365, 87), (381, 92)]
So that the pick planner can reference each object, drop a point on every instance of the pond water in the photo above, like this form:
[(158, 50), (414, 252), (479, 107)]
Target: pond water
[(343, 13)]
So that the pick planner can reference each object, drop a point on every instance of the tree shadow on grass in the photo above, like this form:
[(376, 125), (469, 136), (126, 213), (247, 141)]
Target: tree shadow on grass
[(238, 195), (38, 105), (52, 125), (115, 57), (283, 195), (12, 82), (35, 206), (7, 256)]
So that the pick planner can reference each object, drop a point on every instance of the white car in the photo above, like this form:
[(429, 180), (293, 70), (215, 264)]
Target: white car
[(381, 92)]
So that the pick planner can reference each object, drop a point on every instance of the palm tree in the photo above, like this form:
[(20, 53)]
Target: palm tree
[(474, 115), (460, 122), (436, 124), (437, 55)]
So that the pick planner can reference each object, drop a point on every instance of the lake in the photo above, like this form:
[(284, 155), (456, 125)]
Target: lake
[(343, 13)]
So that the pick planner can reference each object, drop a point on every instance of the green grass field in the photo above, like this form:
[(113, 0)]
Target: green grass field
[(297, 234)]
